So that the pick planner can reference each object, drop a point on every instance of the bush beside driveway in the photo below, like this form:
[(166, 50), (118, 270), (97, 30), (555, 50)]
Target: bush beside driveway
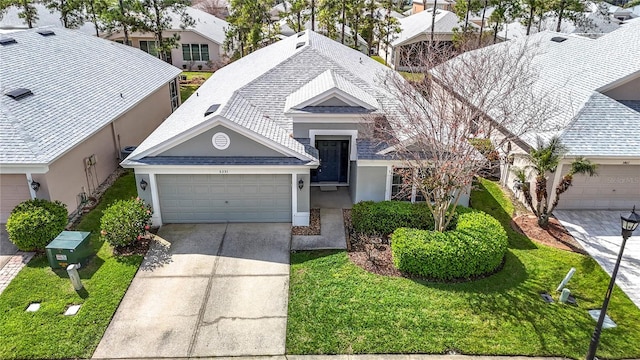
[(47, 333), (336, 307)]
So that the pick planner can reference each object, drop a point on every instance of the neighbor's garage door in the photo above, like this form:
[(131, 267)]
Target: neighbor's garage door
[(218, 198), (616, 187), (13, 190)]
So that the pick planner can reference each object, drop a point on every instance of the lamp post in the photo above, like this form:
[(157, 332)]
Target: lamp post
[(629, 224)]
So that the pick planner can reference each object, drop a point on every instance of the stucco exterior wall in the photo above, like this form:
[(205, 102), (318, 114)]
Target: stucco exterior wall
[(627, 91), (371, 183), (67, 176), (301, 130), (239, 145), (303, 195), (216, 51)]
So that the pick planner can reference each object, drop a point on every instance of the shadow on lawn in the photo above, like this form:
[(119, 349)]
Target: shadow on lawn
[(483, 199)]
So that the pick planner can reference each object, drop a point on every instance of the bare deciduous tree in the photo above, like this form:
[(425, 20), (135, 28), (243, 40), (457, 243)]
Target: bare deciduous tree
[(477, 94)]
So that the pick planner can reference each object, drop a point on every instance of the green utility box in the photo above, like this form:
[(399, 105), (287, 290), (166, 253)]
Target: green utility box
[(70, 247)]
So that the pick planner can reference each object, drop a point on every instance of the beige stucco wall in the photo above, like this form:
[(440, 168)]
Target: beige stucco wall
[(186, 37), (627, 91), (67, 177)]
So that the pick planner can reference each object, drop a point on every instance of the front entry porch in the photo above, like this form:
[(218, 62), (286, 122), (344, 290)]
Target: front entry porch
[(331, 199)]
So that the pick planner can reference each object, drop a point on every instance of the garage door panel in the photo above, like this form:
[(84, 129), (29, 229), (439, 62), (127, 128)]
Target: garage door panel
[(615, 187), (219, 198)]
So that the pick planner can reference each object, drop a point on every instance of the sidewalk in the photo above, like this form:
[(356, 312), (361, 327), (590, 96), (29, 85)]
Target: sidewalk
[(11, 260), (379, 357)]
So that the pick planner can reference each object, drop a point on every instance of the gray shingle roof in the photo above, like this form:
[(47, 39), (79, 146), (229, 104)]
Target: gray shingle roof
[(420, 23), (253, 90), (573, 71), (206, 24), (80, 84)]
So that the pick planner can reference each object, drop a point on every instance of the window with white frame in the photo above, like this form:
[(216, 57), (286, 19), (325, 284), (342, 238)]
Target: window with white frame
[(403, 185), (149, 46), (173, 92), (122, 42), (195, 52)]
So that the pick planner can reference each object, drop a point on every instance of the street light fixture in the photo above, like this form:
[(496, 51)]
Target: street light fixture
[(628, 223)]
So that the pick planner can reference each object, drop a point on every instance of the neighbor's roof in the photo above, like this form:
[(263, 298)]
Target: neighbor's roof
[(80, 83), (206, 24), (420, 23), (253, 90), (11, 21), (573, 72)]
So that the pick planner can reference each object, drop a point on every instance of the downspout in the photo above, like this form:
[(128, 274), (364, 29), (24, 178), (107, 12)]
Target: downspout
[(29, 181), (116, 141)]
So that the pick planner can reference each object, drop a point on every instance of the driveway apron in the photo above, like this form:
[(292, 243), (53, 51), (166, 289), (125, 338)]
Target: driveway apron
[(209, 290), (598, 231)]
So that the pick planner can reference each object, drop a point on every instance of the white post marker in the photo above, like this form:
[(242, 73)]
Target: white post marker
[(565, 295), (72, 270), (566, 279)]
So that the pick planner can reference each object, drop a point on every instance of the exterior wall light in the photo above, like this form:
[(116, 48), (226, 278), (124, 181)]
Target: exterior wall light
[(143, 185), (35, 185), (628, 223), (300, 184)]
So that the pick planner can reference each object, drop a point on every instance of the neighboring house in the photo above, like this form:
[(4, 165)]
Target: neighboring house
[(598, 117), (10, 21), (66, 113), (199, 45), (422, 5), (265, 129), (414, 41)]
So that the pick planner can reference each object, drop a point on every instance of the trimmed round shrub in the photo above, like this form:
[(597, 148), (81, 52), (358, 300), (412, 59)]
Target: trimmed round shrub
[(125, 221), (476, 247), (384, 217), (34, 223)]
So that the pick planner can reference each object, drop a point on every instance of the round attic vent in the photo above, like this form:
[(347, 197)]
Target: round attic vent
[(221, 141)]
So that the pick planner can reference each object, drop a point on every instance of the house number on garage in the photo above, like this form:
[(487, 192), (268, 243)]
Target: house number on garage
[(223, 171)]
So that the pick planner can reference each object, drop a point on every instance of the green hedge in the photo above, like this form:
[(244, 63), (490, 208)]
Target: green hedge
[(477, 246), (125, 221), (34, 223), (384, 217)]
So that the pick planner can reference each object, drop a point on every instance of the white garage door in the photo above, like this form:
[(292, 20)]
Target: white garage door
[(616, 187), (13, 191), (219, 198)]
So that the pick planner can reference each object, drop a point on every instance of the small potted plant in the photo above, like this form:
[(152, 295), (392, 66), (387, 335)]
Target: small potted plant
[(184, 66), (200, 67)]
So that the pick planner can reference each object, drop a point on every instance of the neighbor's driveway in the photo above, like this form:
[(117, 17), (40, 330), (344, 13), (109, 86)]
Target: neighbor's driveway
[(219, 290), (598, 231)]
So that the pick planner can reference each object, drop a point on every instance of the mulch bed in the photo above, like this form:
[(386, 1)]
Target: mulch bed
[(555, 235), (314, 225), (138, 247), (372, 253)]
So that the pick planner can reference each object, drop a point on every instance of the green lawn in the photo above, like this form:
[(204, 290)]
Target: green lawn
[(187, 89), (336, 307), (412, 76), (47, 333)]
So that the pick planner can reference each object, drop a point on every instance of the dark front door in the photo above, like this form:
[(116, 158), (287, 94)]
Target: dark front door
[(334, 161)]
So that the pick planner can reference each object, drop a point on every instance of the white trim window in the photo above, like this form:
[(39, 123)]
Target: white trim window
[(173, 93), (403, 185), (195, 52), (149, 46)]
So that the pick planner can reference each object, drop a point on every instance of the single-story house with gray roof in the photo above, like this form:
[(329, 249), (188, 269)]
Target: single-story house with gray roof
[(263, 134), (66, 113), (598, 114)]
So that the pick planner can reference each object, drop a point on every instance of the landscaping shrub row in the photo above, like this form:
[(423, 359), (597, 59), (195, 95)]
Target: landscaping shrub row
[(476, 247), (385, 217)]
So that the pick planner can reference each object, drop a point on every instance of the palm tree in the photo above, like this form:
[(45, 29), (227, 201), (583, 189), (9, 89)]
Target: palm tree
[(545, 158)]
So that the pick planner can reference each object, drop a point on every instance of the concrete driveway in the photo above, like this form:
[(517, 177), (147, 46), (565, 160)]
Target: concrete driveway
[(598, 231), (7, 249), (217, 290)]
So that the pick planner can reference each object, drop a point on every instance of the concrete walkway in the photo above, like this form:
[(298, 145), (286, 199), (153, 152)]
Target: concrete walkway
[(11, 260), (332, 234), (211, 290), (379, 357), (598, 231)]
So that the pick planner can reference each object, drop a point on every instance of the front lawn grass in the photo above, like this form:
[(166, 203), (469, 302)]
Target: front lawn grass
[(47, 333), (336, 307), (187, 90)]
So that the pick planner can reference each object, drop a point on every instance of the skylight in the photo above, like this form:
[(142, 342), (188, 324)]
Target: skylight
[(46, 32), (211, 109), (299, 45), (19, 93), (7, 41), (558, 39)]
